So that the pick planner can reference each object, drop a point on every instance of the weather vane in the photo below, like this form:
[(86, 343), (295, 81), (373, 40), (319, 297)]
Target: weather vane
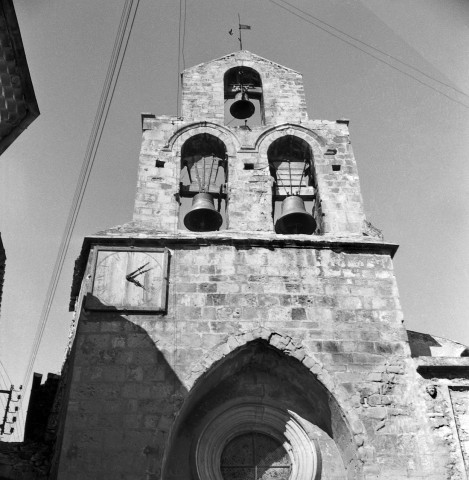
[(240, 27)]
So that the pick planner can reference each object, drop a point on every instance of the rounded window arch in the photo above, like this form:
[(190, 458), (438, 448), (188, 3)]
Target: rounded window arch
[(290, 162), (204, 156), (243, 83), (203, 177), (294, 455), (293, 192)]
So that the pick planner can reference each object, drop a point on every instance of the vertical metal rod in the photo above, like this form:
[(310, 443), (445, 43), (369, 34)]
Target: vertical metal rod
[(188, 171), (302, 174), (279, 178), (216, 173), (203, 183), (239, 29), (211, 170), (197, 175), (291, 185)]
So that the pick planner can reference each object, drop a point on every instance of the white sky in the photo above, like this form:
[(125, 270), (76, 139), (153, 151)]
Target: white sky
[(410, 142)]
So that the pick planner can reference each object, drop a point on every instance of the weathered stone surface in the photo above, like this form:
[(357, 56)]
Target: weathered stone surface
[(25, 460), (307, 326), (305, 302), (338, 204)]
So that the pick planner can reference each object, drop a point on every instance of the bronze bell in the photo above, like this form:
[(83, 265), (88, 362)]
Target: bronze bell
[(203, 217), (242, 108), (294, 218)]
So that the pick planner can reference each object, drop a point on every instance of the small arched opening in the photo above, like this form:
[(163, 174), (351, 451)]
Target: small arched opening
[(244, 104), (202, 186), (294, 188)]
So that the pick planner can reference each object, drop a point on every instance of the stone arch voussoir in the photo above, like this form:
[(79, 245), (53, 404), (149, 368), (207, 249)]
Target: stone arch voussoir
[(219, 131), (289, 347), (317, 145), (315, 141)]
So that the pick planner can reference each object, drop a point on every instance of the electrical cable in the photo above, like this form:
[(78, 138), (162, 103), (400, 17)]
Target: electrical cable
[(117, 57), (6, 374), (20, 420), (179, 59), (10, 414), (376, 49), (181, 45), (5, 385), (76, 201), (184, 36), (371, 55)]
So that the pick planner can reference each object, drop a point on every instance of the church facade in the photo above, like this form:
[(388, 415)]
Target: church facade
[(246, 323)]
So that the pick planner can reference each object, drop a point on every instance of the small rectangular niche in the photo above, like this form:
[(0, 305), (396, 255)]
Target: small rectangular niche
[(335, 168), (248, 166)]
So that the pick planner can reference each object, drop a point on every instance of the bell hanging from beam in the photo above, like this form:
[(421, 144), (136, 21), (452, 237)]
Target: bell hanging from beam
[(203, 217), (294, 218), (242, 108)]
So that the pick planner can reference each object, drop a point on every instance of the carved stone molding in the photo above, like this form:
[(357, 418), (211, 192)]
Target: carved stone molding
[(283, 425)]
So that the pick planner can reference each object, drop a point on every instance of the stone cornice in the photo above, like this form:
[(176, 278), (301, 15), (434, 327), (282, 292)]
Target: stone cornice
[(245, 239)]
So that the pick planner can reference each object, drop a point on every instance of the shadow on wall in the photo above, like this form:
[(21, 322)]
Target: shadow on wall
[(120, 401), (257, 388), (420, 344), (127, 415), (426, 345)]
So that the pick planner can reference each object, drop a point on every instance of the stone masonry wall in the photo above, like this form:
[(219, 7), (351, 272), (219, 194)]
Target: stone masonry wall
[(444, 386), (203, 97), (339, 206), (337, 313), (460, 403), (249, 207), (318, 315)]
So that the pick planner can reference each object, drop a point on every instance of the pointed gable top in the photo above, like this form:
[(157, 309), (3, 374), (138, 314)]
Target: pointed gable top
[(241, 56), (206, 87)]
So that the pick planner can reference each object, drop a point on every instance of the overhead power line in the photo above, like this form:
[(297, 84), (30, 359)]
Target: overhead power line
[(120, 46), (181, 44), (184, 36), (302, 17), (5, 405), (376, 49)]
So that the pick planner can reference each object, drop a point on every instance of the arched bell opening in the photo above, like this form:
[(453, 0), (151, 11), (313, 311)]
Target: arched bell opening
[(259, 398), (202, 186), (244, 104), (294, 188)]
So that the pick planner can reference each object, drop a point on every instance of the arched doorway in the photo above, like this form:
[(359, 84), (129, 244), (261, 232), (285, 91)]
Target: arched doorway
[(259, 391)]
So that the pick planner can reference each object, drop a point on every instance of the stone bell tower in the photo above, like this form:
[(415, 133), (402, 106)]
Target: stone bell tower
[(246, 323)]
